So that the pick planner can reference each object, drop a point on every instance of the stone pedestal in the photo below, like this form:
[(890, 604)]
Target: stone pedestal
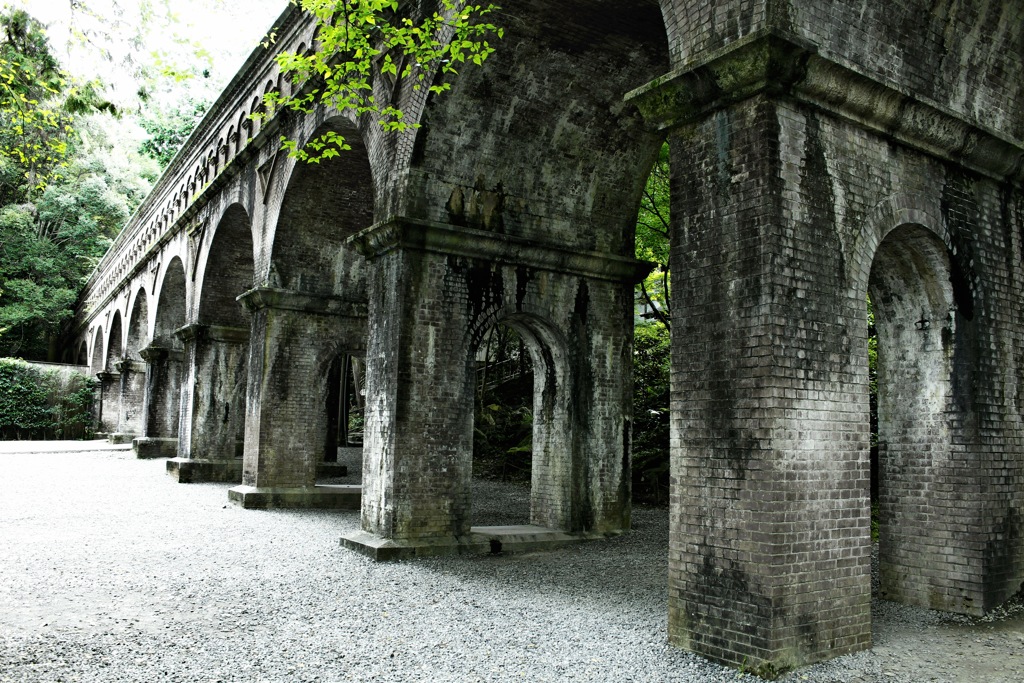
[(295, 336), (131, 415), (147, 447), (212, 404), (440, 282), (108, 405), (161, 402)]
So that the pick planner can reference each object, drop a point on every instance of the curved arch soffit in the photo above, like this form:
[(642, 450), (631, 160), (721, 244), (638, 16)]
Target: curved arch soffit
[(321, 206), (169, 303), (138, 322), (98, 355), (115, 340), (226, 269), (890, 214)]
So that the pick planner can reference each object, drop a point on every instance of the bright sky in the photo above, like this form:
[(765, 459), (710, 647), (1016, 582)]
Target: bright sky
[(176, 34)]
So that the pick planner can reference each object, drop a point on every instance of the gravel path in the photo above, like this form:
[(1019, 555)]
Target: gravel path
[(109, 571)]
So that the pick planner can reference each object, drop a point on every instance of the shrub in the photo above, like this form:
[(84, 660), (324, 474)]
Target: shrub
[(40, 403)]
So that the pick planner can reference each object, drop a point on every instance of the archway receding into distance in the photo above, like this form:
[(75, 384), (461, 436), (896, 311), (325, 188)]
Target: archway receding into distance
[(911, 288)]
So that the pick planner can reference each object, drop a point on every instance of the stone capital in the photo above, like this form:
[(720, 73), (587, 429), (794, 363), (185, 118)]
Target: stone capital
[(129, 365), (198, 332), (783, 65), (260, 298), (454, 240), (107, 377), (154, 353)]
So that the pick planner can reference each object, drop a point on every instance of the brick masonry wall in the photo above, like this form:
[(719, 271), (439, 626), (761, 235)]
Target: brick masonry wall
[(434, 310), (773, 257), (213, 398), (966, 56), (286, 421)]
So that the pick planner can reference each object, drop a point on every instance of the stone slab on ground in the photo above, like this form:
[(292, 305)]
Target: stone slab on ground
[(325, 497), (194, 471)]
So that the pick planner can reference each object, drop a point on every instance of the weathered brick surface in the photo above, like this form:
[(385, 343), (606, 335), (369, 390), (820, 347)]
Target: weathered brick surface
[(213, 388), (822, 152), (789, 218), (291, 354), (432, 310)]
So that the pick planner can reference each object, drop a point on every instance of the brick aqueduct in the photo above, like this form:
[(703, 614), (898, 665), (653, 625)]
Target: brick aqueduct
[(821, 152)]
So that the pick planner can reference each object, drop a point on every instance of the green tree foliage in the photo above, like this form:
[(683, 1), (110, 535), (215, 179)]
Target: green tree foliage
[(652, 230), (651, 384), (168, 129), (360, 38), (48, 247), (33, 129), (651, 347), (37, 403), (38, 106)]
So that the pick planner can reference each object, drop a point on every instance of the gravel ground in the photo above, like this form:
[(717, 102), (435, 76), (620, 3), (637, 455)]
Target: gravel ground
[(109, 571)]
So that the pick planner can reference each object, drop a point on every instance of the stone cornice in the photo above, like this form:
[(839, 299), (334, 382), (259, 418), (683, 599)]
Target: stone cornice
[(775, 64), (286, 299), (444, 238), (129, 365), (217, 333), (155, 353)]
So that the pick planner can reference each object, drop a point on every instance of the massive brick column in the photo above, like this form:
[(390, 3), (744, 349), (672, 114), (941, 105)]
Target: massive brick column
[(108, 407), (769, 562), (131, 391), (433, 289), (779, 158), (160, 405), (294, 338), (212, 404)]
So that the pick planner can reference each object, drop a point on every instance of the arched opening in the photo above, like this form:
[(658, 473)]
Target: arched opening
[(82, 357), (218, 348), (521, 422), (651, 339), (228, 271), (110, 379), (114, 344), (166, 355), (96, 360), (170, 306), (304, 383), (324, 204), (133, 371), (915, 318), (502, 422), (345, 406), (138, 323)]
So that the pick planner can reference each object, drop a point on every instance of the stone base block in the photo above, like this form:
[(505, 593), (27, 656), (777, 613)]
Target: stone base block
[(191, 471), (493, 540), (331, 469), (120, 438), (313, 497), (151, 447)]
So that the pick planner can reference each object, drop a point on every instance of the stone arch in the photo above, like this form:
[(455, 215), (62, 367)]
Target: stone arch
[(537, 142), (553, 450), (228, 271), (114, 343), (171, 305), (322, 206), (165, 359), (82, 357), (97, 356), (138, 326), (132, 370), (919, 317)]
